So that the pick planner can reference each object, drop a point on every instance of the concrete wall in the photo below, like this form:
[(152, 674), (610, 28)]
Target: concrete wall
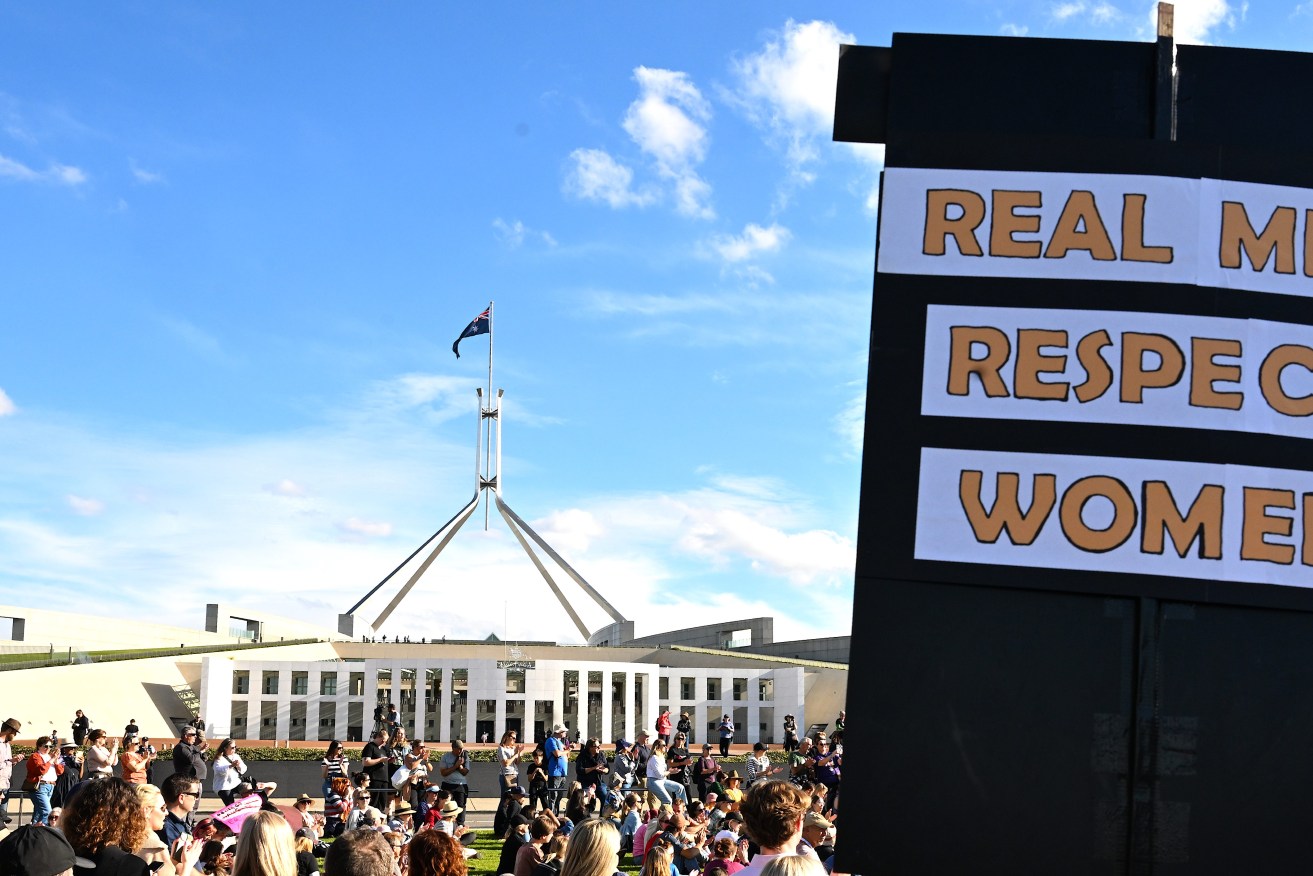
[(761, 629), (219, 619), (83, 632), (830, 650), (111, 693)]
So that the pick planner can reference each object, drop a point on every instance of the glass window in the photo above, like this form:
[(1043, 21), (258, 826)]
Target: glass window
[(300, 684), (269, 681), (242, 681), (328, 684)]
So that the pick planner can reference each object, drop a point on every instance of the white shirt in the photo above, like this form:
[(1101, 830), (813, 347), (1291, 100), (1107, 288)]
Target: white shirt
[(656, 767)]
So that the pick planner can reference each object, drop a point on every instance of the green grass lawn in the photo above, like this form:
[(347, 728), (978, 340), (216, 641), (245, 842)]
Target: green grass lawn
[(490, 852)]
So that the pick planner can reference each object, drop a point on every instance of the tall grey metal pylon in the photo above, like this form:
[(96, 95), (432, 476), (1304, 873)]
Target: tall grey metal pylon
[(488, 479)]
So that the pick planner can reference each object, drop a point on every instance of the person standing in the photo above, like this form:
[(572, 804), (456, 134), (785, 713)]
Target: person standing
[(726, 730), (43, 768), (8, 730), (189, 760), (664, 726), (590, 767), (374, 761), (131, 729), (680, 761), (100, 759), (508, 752), (455, 767), (840, 721), (557, 752), (685, 725), (706, 771), (134, 761), (81, 727), (790, 733)]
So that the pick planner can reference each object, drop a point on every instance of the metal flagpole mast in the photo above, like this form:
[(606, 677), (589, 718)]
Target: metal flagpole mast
[(487, 461)]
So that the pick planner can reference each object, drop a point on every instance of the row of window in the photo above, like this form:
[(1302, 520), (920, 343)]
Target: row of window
[(515, 684)]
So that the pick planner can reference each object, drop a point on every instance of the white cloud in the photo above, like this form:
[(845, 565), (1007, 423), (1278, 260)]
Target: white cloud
[(1016, 30), (1196, 20), (85, 507), (145, 177), (514, 234), (788, 86), (59, 174), (755, 240), (850, 425), (286, 487), (667, 122), (194, 337), (1065, 11), (596, 176), (7, 406), (356, 526), (569, 532), (814, 556), (1099, 13)]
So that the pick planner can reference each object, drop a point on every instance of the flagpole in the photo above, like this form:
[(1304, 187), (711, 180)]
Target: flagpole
[(487, 463)]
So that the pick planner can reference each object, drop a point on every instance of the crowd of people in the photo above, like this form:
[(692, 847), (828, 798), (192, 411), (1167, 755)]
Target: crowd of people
[(676, 813), (566, 809)]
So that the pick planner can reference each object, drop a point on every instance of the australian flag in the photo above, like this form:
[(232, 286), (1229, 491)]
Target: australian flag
[(480, 325)]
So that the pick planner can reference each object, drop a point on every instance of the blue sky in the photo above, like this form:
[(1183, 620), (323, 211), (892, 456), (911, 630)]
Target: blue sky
[(239, 240)]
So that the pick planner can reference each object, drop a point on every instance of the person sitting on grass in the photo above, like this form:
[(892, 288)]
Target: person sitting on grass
[(434, 853), (531, 854), (517, 834)]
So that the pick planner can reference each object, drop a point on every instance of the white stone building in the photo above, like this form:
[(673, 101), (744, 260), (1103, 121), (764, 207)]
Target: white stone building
[(464, 691)]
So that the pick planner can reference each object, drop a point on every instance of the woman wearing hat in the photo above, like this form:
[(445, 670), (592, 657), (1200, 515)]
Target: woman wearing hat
[(8, 730), (71, 757), (726, 731), (790, 733), (733, 789)]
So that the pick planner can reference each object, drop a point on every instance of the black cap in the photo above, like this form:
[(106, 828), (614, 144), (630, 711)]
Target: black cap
[(35, 850)]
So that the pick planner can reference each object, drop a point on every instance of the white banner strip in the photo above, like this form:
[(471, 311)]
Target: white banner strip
[(1144, 516), (1151, 369), (1086, 226)]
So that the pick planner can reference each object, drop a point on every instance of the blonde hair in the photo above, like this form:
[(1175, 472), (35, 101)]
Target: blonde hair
[(149, 795), (594, 849), (793, 865), (557, 848), (657, 860), (303, 844), (265, 847)]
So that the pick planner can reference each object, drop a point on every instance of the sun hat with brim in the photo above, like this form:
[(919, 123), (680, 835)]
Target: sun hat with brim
[(450, 809), (305, 798), (35, 850), (12, 724), (732, 774), (404, 809), (67, 745), (816, 819)]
